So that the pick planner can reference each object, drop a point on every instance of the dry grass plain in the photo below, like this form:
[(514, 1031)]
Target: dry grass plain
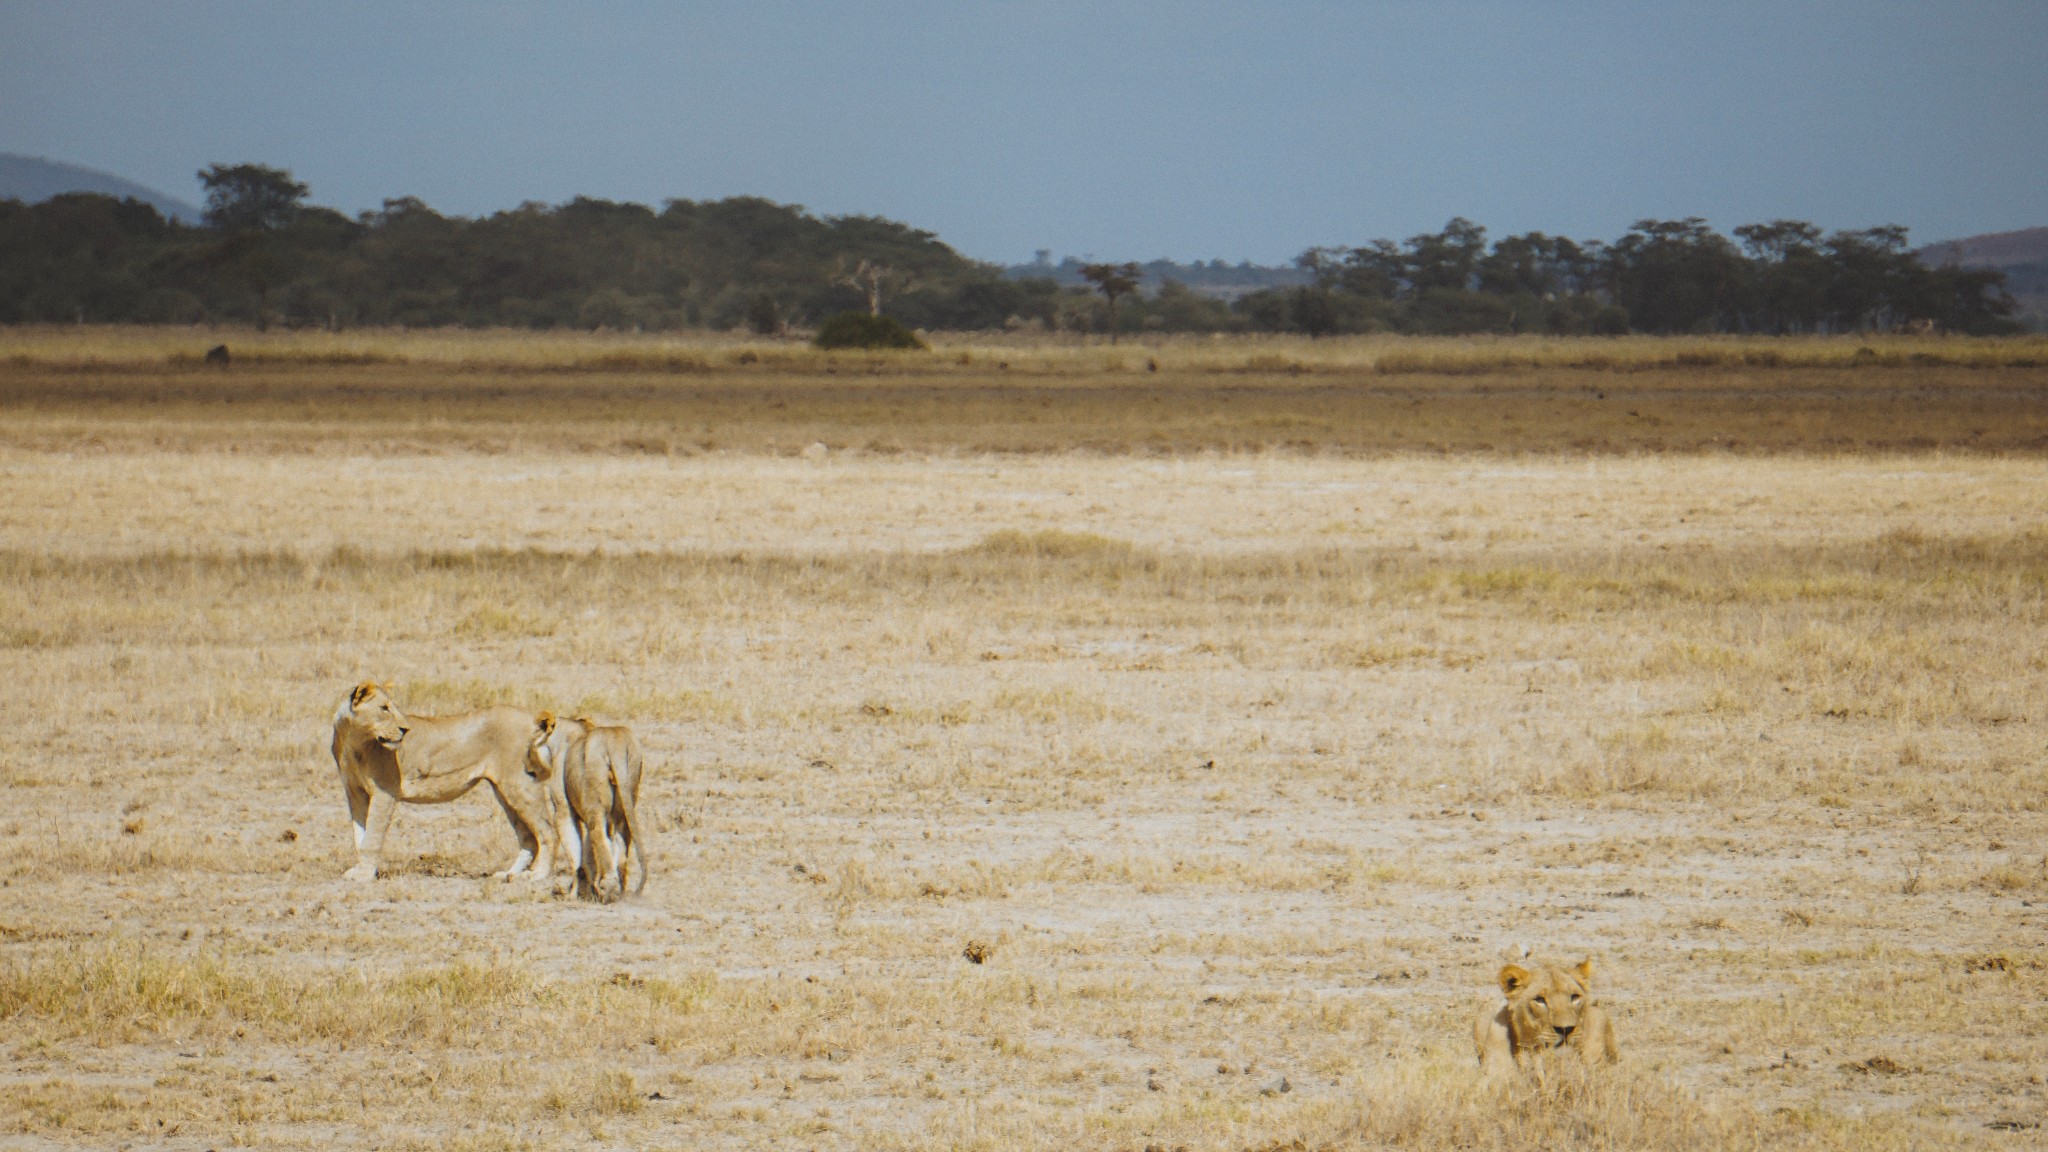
[(1246, 750)]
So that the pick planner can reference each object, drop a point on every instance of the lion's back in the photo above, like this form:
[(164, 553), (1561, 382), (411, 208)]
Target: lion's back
[(615, 747)]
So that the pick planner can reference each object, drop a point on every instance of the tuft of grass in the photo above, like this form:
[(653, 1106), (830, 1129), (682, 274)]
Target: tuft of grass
[(1051, 544), (610, 1092), (123, 991), (490, 621)]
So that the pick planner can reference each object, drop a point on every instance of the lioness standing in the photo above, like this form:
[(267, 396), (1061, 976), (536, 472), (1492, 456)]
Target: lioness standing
[(592, 772), (1547, 1009), (385, 757)]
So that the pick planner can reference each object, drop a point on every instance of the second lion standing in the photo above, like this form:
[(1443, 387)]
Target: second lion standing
[(593, 777)]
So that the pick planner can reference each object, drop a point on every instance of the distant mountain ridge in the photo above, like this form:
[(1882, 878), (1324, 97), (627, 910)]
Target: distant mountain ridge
[(32, 179), (1990, 249), (2022, 255)]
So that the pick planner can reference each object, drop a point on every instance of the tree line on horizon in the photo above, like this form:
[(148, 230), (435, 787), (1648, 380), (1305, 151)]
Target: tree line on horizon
[(264, 256), (1664, 276)]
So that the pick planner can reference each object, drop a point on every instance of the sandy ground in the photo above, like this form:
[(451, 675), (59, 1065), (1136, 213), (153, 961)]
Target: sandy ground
[(575, 502), (1213, 841)]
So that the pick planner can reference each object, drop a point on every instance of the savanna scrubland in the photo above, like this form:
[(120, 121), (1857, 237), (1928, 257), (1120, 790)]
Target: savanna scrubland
[(1241, 704)]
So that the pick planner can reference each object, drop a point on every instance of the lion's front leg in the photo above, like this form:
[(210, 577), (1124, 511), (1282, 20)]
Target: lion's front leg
[(358, 808), (371, 825)]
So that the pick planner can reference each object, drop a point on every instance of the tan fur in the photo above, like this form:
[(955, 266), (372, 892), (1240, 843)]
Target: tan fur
[(386, 758), (1547, 1009), (592, 773)]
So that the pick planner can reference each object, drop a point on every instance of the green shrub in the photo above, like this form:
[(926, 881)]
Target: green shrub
[(860, 330)]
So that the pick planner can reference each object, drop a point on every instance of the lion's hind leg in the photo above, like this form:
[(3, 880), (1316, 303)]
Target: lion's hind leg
[(568, 839), (524, 826), (628, 799), (600, 863), (607, 848), (621, 844), (594, 875), (570, 834), (621, 841)]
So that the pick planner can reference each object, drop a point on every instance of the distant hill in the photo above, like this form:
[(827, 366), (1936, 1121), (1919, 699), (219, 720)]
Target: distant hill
[(1214, 278), (32, 179), (1990, 250), (2021, 255)]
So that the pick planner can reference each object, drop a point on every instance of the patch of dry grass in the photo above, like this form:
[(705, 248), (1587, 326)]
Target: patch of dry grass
[(398, 394), (1230, 771), (72, 346)]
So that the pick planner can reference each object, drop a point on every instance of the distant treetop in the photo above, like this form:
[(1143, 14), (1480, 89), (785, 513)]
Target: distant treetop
[(250, 197)]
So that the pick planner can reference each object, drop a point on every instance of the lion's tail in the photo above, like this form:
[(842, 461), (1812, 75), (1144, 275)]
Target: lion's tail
[(629, 799)]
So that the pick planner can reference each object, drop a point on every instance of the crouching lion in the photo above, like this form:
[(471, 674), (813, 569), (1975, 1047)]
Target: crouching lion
[(592, 773), (1548, 1009), (386, 757)]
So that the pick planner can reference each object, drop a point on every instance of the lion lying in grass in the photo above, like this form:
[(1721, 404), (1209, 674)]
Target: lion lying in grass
[(1548, 1009), (592, 773), (386, 757)]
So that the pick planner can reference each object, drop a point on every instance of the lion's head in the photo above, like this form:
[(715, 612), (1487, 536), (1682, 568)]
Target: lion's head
[(540, 750), (1545, 1006), (371, 706)]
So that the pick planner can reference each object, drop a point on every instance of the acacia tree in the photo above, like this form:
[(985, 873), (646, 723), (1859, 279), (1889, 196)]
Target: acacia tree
[(1677, 276), (245, 203), (1445, 261), (1112, 280), (250, 197), (1791, 274), (1378, 271), (1314, 310), (1871, 273), (1313, 307)]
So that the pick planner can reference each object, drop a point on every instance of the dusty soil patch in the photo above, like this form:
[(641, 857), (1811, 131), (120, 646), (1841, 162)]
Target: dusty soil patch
[(1237, 772)]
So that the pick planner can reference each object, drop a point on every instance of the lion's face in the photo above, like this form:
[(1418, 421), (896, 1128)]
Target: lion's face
[(1544, 1006), (371, 707)]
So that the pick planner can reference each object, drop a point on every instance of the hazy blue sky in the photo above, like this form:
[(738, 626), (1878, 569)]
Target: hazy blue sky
[(1136, 130)]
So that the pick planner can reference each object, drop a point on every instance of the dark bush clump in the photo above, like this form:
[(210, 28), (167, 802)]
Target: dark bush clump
[(860, 330)]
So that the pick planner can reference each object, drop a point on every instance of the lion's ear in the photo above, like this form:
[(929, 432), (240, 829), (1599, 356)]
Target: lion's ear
[(1514, 978), (363, 691), (545, 722), (1585, 971)]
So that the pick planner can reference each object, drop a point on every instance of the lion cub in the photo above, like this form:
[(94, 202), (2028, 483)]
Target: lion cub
[(1548, 1009), (593, 776)]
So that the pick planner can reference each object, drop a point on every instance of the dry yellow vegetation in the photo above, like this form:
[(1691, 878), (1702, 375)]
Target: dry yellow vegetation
[(1240, 764), (383, 394), (102, 347)]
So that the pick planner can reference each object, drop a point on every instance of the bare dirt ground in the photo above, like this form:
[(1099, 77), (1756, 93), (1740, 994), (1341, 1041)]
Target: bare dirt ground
[(1246, 770)]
